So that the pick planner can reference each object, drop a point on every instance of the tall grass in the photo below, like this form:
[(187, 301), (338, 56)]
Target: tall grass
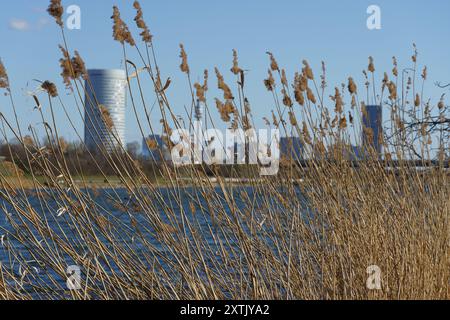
[(310, 232)]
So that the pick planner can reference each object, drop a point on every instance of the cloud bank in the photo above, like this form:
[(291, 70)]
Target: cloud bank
[(19, 24), (24, 25)]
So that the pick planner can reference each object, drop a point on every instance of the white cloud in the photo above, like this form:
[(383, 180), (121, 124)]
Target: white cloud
[(42, 23), (19, 24), (24, 25)]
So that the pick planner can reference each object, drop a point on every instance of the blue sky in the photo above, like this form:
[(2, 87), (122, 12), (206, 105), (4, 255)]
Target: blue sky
[(333, 31)]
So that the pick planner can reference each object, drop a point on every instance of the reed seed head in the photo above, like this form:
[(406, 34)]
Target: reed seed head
[(441, 103), (335, 121), (151, 143), (64, 63), (337, 98), (371, 66), (121, 32), (225, 110), (274, 119), (227, 94), (235, 69), (286, 99), (28, 141), (424, 73), (246, 123), (385, 81), (323, 82), (351, 86), (50, 87), (303, 83), (106, 116), (273, 62), (394, 69), (305, 133), (79, 68), (392, 90), (56, 10), (307, 70), (205, 80), (145, 34), (414, 56), (310, 95), (353, 103), (200, 92), (167, 133), (417, 100), (284, 78), (342, 123), (247, 107), (298, 93), (184, 62), (72, 69), (4, 82), (270, 81), (292, 119)]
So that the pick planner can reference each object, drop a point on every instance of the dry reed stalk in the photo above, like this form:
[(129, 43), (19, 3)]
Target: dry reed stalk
[(50, 88), (4, 82), (268, 238), (121, 32), (139, 19), (56, 10)]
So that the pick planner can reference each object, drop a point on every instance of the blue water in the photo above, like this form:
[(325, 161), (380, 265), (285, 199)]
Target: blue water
[(134, 230)]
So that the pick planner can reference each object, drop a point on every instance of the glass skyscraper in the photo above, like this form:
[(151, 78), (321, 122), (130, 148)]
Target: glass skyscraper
[(105, 99), (372, 131)]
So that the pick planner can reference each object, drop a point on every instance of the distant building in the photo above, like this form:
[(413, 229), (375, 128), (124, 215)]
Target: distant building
[(357, 153), (344, 151), (154, 149), (372, 130), (105, 109), (291, 147)]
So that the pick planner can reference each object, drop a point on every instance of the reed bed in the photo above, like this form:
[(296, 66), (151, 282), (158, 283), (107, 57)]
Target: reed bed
[(309, 232)]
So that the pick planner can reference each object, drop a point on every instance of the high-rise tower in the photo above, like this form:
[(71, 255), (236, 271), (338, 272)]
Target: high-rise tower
[(105, 102), (372, 131)]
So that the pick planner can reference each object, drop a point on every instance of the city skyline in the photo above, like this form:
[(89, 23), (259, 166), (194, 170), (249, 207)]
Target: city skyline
[(335, 33)]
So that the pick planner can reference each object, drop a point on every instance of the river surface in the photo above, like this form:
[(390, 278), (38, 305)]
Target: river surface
[(25, 259)]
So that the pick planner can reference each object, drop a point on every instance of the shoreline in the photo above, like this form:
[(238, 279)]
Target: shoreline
[(114, 183)]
